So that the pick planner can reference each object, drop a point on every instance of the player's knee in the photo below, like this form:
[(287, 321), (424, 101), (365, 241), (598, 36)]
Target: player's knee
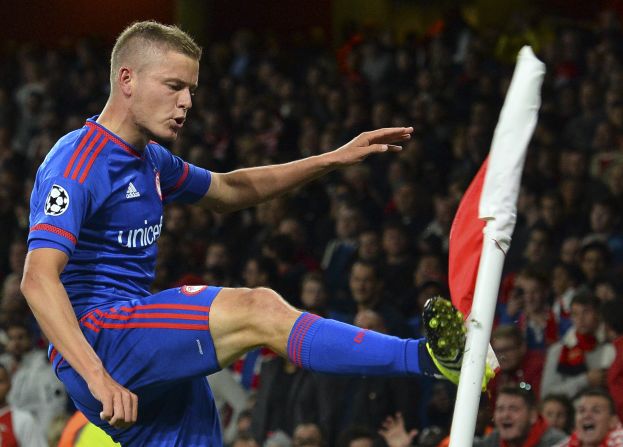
[(267, 309), (262, 300)]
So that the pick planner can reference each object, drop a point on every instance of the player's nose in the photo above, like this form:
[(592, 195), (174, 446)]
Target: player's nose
[(185, 100)]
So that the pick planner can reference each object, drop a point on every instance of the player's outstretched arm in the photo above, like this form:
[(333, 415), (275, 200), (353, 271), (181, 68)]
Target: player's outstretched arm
[(247, 187), (50, 304)]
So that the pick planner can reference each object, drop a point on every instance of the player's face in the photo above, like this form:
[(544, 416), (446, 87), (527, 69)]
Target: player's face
[(593, 420), (513, 418), (163, 94)]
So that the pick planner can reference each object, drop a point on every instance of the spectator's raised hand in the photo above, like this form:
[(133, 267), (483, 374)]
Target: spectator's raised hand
[(394, 432)]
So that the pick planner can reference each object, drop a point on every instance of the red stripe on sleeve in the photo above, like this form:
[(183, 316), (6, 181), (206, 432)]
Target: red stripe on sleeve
[(52, 229), (181, 180), (77, 151), (85, 154), (92, 159)]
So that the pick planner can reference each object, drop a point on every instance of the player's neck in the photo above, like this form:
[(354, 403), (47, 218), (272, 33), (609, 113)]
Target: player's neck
[(117, 120)]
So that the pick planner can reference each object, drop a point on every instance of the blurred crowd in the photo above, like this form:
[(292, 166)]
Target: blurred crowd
[(368, 244)]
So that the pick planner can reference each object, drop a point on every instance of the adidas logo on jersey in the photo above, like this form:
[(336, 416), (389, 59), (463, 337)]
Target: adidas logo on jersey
[(132, 192)]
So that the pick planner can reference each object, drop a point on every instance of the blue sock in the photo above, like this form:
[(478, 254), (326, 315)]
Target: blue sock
[(330, 346)]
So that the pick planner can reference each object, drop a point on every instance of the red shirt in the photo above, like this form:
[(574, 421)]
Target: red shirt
[(530, 372), (615, 377), (7, 435)]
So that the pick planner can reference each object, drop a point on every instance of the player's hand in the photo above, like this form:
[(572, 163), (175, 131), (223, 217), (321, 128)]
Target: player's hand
[(394, 432), (119, 405), (375, 141)]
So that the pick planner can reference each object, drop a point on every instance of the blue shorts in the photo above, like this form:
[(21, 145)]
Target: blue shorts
[(161, 349)]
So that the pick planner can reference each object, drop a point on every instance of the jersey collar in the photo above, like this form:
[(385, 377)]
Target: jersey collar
[(91, 122)]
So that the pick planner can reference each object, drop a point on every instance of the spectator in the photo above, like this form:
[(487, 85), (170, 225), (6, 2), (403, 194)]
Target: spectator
[(398, 263), (244, 440), (286, 398), (594, 261), (517, 422), (218, 256), (281, 249), (17, 427), (518, 365), (582, 357), (612, 314), (340, 251), (369, 246), (35, 387), (307, 435), (604, 222), (364, 401), (366, 289), (356, 437), (394, 433), (596, 422), (557, 411), (565, 281), (527, 306)]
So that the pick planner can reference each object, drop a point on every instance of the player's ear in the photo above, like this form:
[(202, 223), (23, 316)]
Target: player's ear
[(124, 80)]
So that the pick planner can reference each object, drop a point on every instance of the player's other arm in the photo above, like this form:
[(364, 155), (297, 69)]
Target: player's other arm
[(50, 304), (247, 187)]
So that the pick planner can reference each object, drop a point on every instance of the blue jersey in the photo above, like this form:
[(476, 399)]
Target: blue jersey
[(100, 201)]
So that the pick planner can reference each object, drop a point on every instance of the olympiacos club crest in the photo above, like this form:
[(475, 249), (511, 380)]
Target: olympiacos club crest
[(192, 290)]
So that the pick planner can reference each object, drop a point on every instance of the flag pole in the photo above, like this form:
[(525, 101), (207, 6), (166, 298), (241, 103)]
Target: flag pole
[(479, 325), (498, 206)]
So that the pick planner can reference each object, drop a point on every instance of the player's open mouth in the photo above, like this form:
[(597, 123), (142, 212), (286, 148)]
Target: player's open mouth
[(179, 121), (589, 426), (507, 425)]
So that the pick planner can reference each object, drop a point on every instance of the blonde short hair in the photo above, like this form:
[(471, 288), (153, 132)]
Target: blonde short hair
[(141, 36)]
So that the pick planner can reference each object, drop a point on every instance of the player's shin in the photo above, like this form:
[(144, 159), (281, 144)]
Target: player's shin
[(330, 346)]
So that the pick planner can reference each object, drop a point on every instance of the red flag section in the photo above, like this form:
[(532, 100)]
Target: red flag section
[(466, 245)]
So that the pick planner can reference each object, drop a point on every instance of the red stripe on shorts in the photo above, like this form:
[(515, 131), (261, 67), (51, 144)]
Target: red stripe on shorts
[(165, 306), (154, 315), (146, 325)]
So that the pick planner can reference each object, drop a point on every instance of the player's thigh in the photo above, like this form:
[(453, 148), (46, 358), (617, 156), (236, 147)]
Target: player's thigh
[(158, 339), (242, 319)]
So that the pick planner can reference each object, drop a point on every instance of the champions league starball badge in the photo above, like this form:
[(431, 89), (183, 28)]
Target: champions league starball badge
[(57, 201)]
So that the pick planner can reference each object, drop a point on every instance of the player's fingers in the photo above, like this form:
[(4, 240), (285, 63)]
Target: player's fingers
[(107, 408), (118, 414), (390, 134), (134, 407), (128, 411)]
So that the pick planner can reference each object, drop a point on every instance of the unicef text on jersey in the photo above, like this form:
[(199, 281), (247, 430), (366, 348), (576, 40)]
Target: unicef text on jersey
[(140, 237)]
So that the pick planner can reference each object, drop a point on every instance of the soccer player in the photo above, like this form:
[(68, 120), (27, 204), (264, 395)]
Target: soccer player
[(135, 363)]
